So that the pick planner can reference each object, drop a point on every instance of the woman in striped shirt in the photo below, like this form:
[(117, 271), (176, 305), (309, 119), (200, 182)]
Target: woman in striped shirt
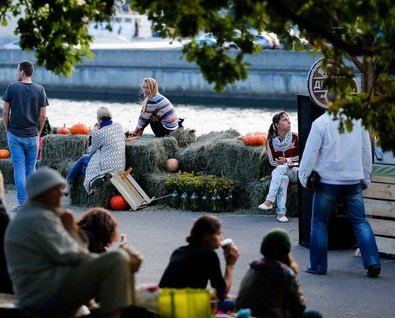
[(283, 151), (157, 111)]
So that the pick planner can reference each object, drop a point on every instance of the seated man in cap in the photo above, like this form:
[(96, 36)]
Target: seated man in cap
[(53, 274)]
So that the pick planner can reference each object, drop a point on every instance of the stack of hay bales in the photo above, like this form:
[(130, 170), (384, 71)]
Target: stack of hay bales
[(218, 153), (147, 157), (61, 151), (223, 153)]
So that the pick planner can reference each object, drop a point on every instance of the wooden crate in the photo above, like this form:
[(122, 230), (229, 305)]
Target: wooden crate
[(380, 210), (130, 189)]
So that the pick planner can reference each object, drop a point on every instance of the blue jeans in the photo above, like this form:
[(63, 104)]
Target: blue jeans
[(324, 201), (23, 155), (78, 169)]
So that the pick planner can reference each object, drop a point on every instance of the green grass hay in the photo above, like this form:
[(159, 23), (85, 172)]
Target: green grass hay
[(7, 169), (57, 148), (222, 153), (3, 136)]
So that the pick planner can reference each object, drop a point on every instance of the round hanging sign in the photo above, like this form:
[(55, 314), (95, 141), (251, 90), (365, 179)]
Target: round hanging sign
[(316, 82)]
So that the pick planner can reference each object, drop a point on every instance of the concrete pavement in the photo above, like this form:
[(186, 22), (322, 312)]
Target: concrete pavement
[(344, 292)]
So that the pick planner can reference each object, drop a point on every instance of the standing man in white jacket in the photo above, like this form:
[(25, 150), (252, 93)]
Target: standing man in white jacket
[(344, 163)]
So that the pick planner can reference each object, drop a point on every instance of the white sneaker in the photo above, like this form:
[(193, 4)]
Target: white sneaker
[(264, 207), (15, 208), (282, 219)]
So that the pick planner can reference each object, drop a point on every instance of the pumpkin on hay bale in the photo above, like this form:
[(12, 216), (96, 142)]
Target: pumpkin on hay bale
[(118, 203), (4, 154), (63, 130), (172, 165), (79, 129), (255, 139)]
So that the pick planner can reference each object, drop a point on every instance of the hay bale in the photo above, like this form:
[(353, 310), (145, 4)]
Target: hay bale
[(154, 184), (223, 154), (256, 194), (100, 197), (3, 136), (184, 137), (171, 146), (147, 155), (64, 166), (266, 167), (57, 148), (7, 170)]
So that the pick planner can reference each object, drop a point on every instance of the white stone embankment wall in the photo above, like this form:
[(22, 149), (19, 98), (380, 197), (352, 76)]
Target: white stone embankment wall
[(273, 75)]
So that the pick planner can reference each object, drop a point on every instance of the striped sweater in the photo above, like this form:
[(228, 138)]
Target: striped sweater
[(160, 107), (291, 151)]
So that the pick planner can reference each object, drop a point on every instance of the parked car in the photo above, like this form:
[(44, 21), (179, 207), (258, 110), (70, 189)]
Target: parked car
[(210, 39), (296, 38), (267, 40)]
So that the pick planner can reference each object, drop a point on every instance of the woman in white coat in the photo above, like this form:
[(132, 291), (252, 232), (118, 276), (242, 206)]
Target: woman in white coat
[(105, 157)]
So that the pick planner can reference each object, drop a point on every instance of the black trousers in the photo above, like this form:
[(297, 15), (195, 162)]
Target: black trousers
[(158, 129)]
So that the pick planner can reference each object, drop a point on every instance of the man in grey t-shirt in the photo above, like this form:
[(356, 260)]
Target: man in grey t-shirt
[(24, 117)]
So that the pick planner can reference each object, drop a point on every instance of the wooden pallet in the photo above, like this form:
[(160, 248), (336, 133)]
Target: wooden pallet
[(130, 189), (379, 201)]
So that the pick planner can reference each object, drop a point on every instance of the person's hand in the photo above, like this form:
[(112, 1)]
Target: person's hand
[(135, 257), (132, 138), (281, 160), (68, 221), (135, 262), (231, 254)]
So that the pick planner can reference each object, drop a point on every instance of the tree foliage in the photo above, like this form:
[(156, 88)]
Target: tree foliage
[(363, 30), (57, 30)]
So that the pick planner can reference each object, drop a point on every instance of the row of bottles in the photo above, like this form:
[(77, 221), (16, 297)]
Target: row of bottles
[(205, 202)]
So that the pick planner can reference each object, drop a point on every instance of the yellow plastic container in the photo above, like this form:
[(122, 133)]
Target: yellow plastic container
[(184, 303)]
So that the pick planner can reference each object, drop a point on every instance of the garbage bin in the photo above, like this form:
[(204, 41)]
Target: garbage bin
[(340, 232)]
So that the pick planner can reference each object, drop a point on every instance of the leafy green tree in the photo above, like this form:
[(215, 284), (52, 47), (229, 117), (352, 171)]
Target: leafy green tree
[(363, 31), (57, 30)]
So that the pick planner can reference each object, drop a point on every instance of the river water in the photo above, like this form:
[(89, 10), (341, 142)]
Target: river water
[(204, 119)]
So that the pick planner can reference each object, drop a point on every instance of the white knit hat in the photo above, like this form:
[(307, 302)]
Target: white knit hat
[(42, 180)]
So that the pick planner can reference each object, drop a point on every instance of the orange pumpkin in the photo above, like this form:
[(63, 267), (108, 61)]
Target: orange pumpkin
[(172, 165), (255, 139), (79, 129), (118, 203), (63, 130), (4, 153)]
